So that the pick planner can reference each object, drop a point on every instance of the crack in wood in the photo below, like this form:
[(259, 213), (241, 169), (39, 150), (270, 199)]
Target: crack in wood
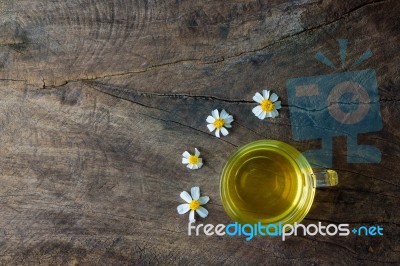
[(130, 92), (126, 98)]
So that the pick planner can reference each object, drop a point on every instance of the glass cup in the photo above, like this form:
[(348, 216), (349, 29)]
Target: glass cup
[(270, 181)]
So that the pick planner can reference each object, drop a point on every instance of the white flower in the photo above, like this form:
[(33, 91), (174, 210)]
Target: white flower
[(192, 161), (193, 204), (219, 122), (268, 105)]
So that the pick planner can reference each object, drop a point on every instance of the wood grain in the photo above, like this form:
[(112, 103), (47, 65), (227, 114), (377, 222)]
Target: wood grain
[(98, 100)]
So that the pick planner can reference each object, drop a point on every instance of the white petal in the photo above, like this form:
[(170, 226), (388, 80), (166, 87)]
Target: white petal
[(199, 165), (257, 110), (210, 119), (203, 200), (266, 94), (183, 208), (195, 167), (211, 127), (191, 216), (185, 160), (224, 114), (195, 191), (215, 113), (186, 197), (275, 113), (224, 131), (228, 120), (217, 133), (273, 97), (269, 114), (190, 166), (202, 212), (196, 152), (262, 115), (228, 125), (258, 97), (186, 154), (277, 105)]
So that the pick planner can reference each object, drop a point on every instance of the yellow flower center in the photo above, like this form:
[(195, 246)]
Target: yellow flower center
[(267, 105), (218, 123), (194, 205), (193, 159)]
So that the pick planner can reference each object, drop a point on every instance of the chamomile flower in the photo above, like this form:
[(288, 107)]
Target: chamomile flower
[(219, 122), (192, 161), (193, 204), (269, 104)]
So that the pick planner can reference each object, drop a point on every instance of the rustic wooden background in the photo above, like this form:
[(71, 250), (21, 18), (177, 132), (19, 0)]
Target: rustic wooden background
[(100, 98)]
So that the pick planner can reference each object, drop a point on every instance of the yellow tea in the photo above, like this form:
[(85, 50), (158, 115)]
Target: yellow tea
[(267, 181), (271, 182), (265, 185)]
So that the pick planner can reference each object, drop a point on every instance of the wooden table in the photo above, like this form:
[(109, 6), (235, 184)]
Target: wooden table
[(100, 98)]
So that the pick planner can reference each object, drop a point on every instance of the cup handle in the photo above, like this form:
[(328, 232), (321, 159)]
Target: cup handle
[(325, 178)]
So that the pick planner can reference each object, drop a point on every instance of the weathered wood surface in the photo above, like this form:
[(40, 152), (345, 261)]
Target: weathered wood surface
[(100, 98)]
